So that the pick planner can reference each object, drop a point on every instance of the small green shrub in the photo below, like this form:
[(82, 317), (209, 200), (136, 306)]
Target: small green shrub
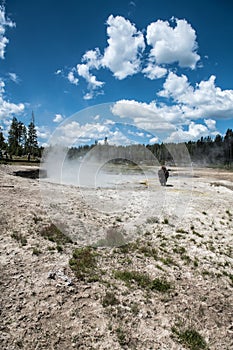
[(53, 234), (149, 251), (18, 237), (37, 219), (161, 285), (143, 280), (179, 250), (191, 338), (129, 277), (167, 261), (122, 339), (36, 251), (59, 248), (198, 234), (134, 308), (83, 262), (109, 299), (181, 230)]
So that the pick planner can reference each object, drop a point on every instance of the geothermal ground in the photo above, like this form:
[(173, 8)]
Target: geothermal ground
[(128, 265)]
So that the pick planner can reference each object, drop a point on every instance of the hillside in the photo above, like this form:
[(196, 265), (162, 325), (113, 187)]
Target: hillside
[(159, 274)]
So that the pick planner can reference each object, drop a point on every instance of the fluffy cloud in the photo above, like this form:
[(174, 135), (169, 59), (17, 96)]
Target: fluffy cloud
[(171, 45), (169, 122), (7, 108), (58, 118), (211, 124), (73, 132), (4, 22), (91, 60), (177, 121), (43, 133), (204, 101), (125, 54), (122, 56), (153, 71), (72, 79), (149, 116), (194, 132)]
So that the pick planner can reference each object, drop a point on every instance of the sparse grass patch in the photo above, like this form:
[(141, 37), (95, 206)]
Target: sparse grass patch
[(179, 236), (118, 219), (167, 261), (83, 262), (135, 308), (179, 250), (122, 339), (186, 258), (36, 251), (161, 285), (37, 219), (53, 234), (181, 230), (20, 238), (149, 251), (143, 280), (109, 299), (59, 248), (229, 275), (206, 273), (190, 338), (129, 277), (198, 234)]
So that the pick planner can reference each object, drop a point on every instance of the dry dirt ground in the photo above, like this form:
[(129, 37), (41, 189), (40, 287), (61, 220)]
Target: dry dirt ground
[(158, 274)]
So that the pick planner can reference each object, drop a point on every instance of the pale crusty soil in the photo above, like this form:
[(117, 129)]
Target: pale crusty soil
[(45, 306)]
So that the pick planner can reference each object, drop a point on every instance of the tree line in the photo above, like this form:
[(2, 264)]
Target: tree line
[(21, 140), (205, 151)]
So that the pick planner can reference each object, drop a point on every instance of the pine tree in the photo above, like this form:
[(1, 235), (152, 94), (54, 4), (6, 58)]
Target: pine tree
[(228, 141), (2, 140), (14, 137), (32, 143)]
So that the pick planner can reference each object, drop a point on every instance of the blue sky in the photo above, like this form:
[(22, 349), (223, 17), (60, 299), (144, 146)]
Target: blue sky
[(163, 69)]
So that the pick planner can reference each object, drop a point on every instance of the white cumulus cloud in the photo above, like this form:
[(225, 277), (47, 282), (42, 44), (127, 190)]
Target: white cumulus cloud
[(170, 45), (125, 43), (58, 118), (205, 100), (194, 132), (4, 23), (153, 71), (7, 108), (72, 79), (126, 55)]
